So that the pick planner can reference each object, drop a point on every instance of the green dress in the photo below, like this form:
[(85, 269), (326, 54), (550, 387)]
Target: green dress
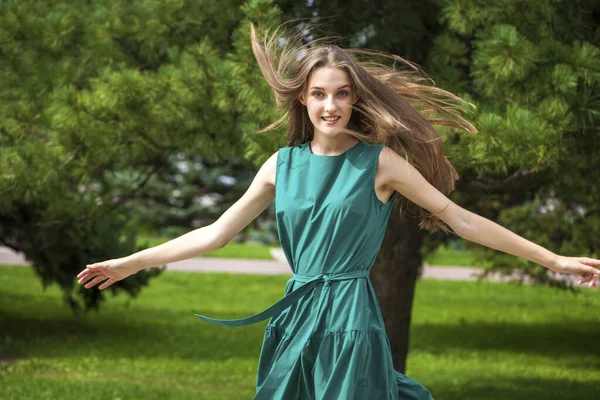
[(326, 338)]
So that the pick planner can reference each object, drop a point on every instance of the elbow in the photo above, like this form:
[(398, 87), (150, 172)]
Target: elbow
[(216, 237), (219, 242), (464, 231), (464, 227), (222, 243)]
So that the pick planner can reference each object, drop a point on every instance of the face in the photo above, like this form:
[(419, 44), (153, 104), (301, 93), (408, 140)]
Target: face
[(328, 100)]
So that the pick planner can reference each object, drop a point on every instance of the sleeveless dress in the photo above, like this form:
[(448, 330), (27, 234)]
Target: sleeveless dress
[(326, 338)]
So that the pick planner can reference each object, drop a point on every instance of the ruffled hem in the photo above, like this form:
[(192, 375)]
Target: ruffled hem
[(337, 365), (409, 389)]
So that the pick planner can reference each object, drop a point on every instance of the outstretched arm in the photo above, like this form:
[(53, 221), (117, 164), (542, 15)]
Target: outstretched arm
[(400, 175), (202, 240)]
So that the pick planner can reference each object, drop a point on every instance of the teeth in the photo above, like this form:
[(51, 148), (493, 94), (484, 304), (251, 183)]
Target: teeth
[(331, 118)]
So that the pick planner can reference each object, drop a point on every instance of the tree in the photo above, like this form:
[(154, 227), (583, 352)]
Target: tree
[(191, 192), (532, 68), (95, 99)]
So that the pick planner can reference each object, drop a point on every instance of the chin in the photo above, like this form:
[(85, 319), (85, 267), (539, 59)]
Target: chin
[(332, 129), (329, 131)]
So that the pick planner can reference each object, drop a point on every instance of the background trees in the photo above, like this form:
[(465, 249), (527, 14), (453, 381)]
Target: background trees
[(532, 69), (100, 101), (95, 100)]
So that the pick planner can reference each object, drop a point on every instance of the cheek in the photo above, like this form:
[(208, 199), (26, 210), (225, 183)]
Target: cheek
[(347, 108), (314, 110)]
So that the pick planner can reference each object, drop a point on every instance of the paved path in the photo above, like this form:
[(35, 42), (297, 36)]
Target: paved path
[(279, 266)]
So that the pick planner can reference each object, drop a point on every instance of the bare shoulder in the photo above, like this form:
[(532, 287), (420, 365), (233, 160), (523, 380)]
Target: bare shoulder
[(388, 157), (266, 174), (400, 175), (389, 165)]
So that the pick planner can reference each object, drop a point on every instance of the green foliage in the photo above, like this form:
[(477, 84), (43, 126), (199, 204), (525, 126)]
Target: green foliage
[(404, 27), (534, 74), (95, 98), (532, 68), (175, 196), (255, 101)]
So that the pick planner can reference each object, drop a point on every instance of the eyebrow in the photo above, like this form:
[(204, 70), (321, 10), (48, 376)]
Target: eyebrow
[(341, 87)]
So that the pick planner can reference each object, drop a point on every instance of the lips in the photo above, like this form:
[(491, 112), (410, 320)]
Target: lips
[(331, 118)]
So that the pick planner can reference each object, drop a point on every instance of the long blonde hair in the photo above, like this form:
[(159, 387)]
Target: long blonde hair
[(393, 107)]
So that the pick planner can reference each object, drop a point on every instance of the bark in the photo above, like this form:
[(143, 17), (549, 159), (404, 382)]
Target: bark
[(394, 276)]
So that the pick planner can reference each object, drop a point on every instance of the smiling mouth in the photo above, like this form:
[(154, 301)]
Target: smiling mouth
[(329, 119)]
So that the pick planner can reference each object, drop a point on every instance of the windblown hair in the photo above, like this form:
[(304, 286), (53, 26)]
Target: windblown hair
[(393, 107)]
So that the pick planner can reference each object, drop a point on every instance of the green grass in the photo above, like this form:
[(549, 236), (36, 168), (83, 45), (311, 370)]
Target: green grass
[(442, 257), (468, 340), (231, 249)]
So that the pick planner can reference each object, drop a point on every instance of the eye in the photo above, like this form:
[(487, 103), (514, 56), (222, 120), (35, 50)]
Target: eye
[(317, 94), (343, 93)]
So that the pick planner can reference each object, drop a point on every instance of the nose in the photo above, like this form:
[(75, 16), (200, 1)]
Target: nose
[(330, 105)]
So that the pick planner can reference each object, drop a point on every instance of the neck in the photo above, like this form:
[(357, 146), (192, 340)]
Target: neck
[(324, 145)]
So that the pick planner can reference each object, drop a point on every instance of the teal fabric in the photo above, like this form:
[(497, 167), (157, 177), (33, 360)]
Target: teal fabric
[(326, 338)]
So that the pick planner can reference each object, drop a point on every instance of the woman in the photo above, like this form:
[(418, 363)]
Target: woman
[(334, 186)]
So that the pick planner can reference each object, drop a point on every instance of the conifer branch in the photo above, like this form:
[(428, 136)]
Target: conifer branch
[(520, 180)]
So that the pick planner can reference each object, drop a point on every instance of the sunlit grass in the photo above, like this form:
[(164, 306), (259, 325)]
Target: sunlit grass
[(443, 256), (231, 249), (446, 257), (468, 340)]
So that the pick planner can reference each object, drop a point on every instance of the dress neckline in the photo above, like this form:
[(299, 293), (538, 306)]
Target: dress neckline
[(325, 156)]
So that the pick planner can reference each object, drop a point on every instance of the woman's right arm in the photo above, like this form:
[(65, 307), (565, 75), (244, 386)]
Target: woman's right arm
[(199, 241)]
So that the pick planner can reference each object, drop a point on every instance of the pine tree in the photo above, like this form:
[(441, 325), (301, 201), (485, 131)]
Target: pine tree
[(171, 204), (95, 98), (533, 69)]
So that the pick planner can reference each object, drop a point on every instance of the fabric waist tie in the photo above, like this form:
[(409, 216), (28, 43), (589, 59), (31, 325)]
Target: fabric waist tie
[(276, 309), (292, 349)]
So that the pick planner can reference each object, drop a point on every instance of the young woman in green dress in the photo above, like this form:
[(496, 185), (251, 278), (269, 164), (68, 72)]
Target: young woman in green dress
[(358, 133)]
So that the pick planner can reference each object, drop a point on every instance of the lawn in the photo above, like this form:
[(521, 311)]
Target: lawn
[(447, 257), (231, 249), (468, 340), (443, 256)]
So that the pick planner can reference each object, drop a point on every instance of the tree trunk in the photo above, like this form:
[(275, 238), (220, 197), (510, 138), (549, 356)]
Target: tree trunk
[(394, 277)]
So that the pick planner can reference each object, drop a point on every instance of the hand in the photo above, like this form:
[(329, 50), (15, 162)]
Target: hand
[(581, 266), (111, 270)]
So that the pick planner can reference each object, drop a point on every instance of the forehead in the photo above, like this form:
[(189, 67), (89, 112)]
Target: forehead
[(328, 78)]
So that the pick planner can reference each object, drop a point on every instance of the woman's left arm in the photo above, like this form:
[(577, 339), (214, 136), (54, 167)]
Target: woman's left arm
[(400, 175)]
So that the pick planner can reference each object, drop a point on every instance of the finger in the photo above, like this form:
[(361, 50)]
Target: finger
[(585, 277), (96, 280), (85, 271), (89, 276), (85, 274), (586, 271), (593, 271), (106, 284), (592, 262), (588, 278), (88, 268)]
